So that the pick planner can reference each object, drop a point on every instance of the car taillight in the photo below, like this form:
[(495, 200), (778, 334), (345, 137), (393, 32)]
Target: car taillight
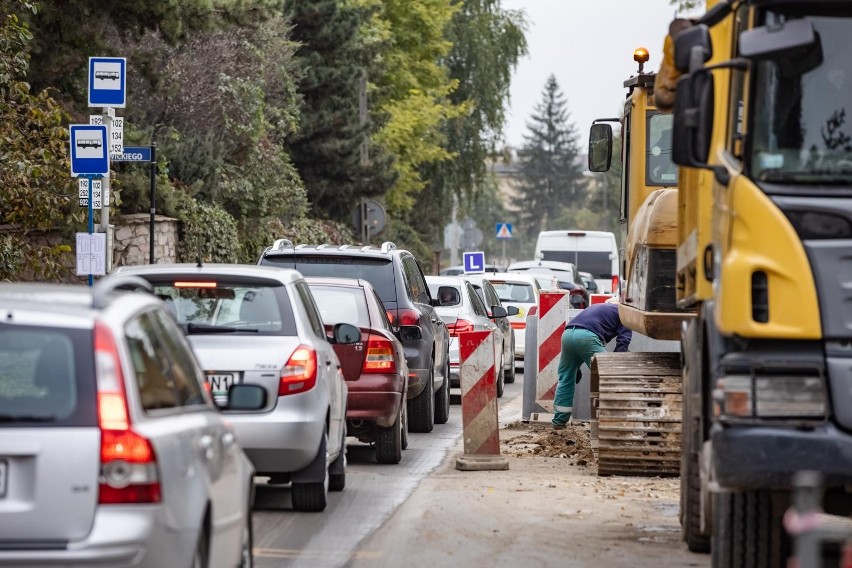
[(379, 357), (615, 283), (533, 311), (409, 317), (391, 317), (300, 372), (128, 463), (461, 326)]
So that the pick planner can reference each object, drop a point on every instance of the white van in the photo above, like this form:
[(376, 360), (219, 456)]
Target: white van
[(595, 252)]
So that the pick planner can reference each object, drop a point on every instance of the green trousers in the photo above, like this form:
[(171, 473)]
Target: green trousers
[(578, 347)]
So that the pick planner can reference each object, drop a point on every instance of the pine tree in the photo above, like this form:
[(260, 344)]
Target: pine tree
[(551, 178), (327, 149)]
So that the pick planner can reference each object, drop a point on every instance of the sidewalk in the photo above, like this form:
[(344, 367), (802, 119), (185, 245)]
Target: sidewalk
[(549, 509)]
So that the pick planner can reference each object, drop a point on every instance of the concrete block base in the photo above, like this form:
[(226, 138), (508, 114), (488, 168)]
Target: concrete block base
[(471, 462)]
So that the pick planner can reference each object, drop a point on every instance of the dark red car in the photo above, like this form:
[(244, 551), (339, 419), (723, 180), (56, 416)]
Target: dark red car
[(374, 368)]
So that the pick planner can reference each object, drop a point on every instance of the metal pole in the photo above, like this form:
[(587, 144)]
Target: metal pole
[(91, 220), (153, 196), (530, 362)]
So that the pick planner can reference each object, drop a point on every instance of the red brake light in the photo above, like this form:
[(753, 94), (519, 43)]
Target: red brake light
[(379, 358), (300, 372), (186, 284), (615, 283), (461, 326), (128, 463), (409, 317)]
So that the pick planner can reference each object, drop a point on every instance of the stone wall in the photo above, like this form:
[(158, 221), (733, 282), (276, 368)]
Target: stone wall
[(131, 239)]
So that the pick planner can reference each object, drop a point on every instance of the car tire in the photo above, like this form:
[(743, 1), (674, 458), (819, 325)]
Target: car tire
[(337, 470), (201, 556), (509, 374), (500, 379), (421, 408), (312, 496), (246, 554), (404, 413), (389, 443), (442, 397)]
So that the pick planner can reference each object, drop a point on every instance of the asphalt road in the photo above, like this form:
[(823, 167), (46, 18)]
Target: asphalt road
[(283, 537)]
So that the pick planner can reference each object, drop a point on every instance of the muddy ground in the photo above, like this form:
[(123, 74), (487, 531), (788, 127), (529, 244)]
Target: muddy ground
[(548, 509)]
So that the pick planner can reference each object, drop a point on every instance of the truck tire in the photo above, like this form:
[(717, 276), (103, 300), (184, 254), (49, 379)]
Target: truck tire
[(421, 408), (690, 474), (758, 536), (720, 552)]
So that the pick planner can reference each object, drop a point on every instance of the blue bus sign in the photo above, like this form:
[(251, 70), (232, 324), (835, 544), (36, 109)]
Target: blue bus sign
[(107, 81), (89, 150), (133, 154)]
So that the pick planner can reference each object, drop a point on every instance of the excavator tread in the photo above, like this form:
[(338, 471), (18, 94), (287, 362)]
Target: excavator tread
[(637, 409)]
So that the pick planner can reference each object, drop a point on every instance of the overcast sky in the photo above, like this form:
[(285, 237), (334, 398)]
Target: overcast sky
[(588, 45)]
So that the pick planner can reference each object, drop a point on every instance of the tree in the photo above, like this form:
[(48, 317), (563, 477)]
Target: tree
[(552, 179), (327, 149), (38, 193)]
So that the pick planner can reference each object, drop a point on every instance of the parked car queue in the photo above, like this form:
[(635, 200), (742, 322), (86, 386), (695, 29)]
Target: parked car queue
[(173, 400)]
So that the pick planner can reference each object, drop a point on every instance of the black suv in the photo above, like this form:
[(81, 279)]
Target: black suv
[(399, 281)]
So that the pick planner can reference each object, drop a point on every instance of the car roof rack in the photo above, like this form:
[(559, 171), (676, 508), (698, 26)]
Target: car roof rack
[(104, 287), (281, 244), (388, 246)]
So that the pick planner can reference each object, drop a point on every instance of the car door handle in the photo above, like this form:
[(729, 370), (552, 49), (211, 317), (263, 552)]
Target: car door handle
[(206, 445)]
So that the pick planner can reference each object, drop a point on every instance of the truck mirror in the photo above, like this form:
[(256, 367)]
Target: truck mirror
[(779, 40), (693, 119), (693, 48), (600, 147)]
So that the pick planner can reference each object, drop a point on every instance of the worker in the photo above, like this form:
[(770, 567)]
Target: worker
[(585, 335)]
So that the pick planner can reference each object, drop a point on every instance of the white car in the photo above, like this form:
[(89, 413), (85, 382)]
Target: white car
[(521, 291), (461, 309), (259, 325)]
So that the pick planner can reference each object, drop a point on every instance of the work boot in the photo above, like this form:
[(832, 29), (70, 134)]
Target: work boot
[(559, 426)]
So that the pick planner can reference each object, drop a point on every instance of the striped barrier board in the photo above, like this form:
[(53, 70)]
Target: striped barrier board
[(552, 315), (479, 404), (598, 298)]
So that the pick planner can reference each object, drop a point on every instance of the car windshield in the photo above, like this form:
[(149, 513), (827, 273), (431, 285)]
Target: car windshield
[(211, 305), (376, 271), (801, 132), (519, 292), (45, 375), (596, 263), (340, 304), (660, 170)]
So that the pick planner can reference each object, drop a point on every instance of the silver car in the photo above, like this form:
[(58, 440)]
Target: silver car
[(486, 292), (462, 310), (112, 453), (259, 325)]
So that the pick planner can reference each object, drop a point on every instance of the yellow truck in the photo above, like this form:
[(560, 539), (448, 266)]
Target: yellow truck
[(763, 266)]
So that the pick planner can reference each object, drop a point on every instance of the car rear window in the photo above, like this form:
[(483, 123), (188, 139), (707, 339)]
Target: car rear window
[(46, 376), (596, 263), (514, 292), (339, 304), (242, 307), (377, 271)]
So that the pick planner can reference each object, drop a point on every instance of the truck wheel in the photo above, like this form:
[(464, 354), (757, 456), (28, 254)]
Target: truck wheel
[(722, 540), (758, 538), (421, 408), (690, 482), (442, 397)]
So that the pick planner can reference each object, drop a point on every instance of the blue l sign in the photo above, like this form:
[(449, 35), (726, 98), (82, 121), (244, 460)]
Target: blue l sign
[(107, 81), (474, 262), (89, 150)]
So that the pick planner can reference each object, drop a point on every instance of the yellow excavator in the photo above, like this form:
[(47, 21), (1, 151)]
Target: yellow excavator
[(763, 265)]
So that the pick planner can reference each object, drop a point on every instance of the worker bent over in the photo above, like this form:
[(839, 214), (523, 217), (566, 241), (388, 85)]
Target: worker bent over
[(585, 335)]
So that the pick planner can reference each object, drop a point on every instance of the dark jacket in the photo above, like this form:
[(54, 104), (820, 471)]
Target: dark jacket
[(603, 321)]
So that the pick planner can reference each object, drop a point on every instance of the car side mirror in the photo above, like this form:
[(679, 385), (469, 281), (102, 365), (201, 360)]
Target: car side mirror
[(512, 311), (346, 334), (600, 147), (498, 312), (246, 397)]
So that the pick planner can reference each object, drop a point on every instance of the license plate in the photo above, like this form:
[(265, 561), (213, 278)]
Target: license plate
[(220, 382), (4, 480)]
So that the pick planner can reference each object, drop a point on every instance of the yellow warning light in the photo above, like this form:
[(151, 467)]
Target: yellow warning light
[(641, 55)]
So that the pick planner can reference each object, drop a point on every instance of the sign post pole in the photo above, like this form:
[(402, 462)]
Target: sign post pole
[(151, 258), (91, 179)]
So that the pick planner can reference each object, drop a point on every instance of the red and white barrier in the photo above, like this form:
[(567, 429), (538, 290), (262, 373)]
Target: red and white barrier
[(598, 298), (479, 404), (552, 315)]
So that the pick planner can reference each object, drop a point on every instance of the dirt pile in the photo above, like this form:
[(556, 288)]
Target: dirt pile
[(524, 440)]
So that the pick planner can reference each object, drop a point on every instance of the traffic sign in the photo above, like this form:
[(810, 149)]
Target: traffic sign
[(107, 81), (89, 150), (133, 154), (504, 230), (474, 262)]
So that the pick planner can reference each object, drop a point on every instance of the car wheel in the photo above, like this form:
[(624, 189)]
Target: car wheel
[(442, 397), (312, 496), (509, 373), (421, 408), (337, 470), (202, 550), (500, 379), (389, 442), (246, 556), (404, 412)]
